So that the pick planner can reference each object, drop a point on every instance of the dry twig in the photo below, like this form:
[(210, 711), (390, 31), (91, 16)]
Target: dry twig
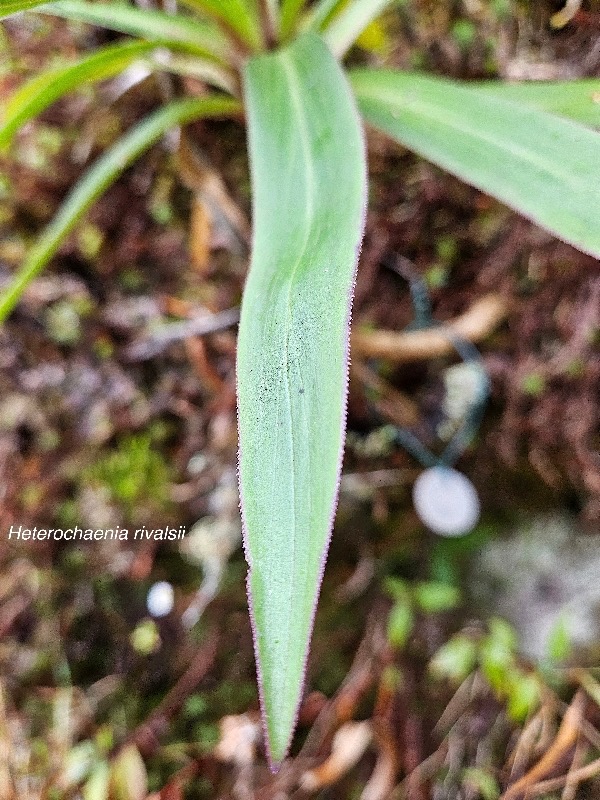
[(476, 324), (565, 740), (146, 736)]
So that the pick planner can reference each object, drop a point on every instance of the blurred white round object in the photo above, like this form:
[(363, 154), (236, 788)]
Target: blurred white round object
[(446, 501), (160, 599)]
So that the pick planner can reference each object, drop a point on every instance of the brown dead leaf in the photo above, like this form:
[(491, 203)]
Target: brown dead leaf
[(348, 747), (239, 737), (476, 324), (196, 352), (200, 234), (128, 778), (564, 741)]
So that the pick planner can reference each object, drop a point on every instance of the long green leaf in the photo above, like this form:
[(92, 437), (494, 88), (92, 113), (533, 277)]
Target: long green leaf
[(100, 176), (47, 87), (543, 166), (309, 177), (578, 100), (200, 36), (188, 65), (8, 7), (346, 27), (241, 16), (319, 14), (290, 10)]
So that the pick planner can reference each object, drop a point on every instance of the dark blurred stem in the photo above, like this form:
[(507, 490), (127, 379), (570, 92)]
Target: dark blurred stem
[(268, 24)]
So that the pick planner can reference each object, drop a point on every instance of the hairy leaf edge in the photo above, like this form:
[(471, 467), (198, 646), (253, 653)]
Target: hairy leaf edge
[(275, 765)]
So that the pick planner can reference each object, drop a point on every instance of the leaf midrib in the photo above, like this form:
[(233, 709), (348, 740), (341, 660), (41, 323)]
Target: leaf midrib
[(309, 210)]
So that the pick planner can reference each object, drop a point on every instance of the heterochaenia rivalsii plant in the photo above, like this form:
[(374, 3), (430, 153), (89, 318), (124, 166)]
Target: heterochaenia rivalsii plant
[(278, 63)]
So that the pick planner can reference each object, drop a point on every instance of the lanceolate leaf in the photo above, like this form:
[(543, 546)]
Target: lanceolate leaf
[(190, 65), (100, 176), (290, 9), (545, 167), (346, 27), (8, 7), (47, 87), (241, 16), (579, 100), (308, 175), (202, 37), (319, 14)]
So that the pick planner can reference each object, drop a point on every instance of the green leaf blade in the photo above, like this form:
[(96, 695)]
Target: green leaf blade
[(47, 87), (308, 201), (346, 27), (545, 167), (199, 36), (319, 14), (101, 175), (9, 7), (290, 11), (241, 16), (577, 100)]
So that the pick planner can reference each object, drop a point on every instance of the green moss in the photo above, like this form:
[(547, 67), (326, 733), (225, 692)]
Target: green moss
[(136, 475), (464, 33), (533, 384), (89, 240)]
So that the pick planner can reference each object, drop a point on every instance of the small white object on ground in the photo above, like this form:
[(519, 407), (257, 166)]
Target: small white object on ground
[(239, 737), (160, 599), (446, 501), (347, 748)]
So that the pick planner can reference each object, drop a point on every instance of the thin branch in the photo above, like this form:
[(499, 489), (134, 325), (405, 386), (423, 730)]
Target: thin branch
[(146, 736), (476, 324), (149, 346)]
